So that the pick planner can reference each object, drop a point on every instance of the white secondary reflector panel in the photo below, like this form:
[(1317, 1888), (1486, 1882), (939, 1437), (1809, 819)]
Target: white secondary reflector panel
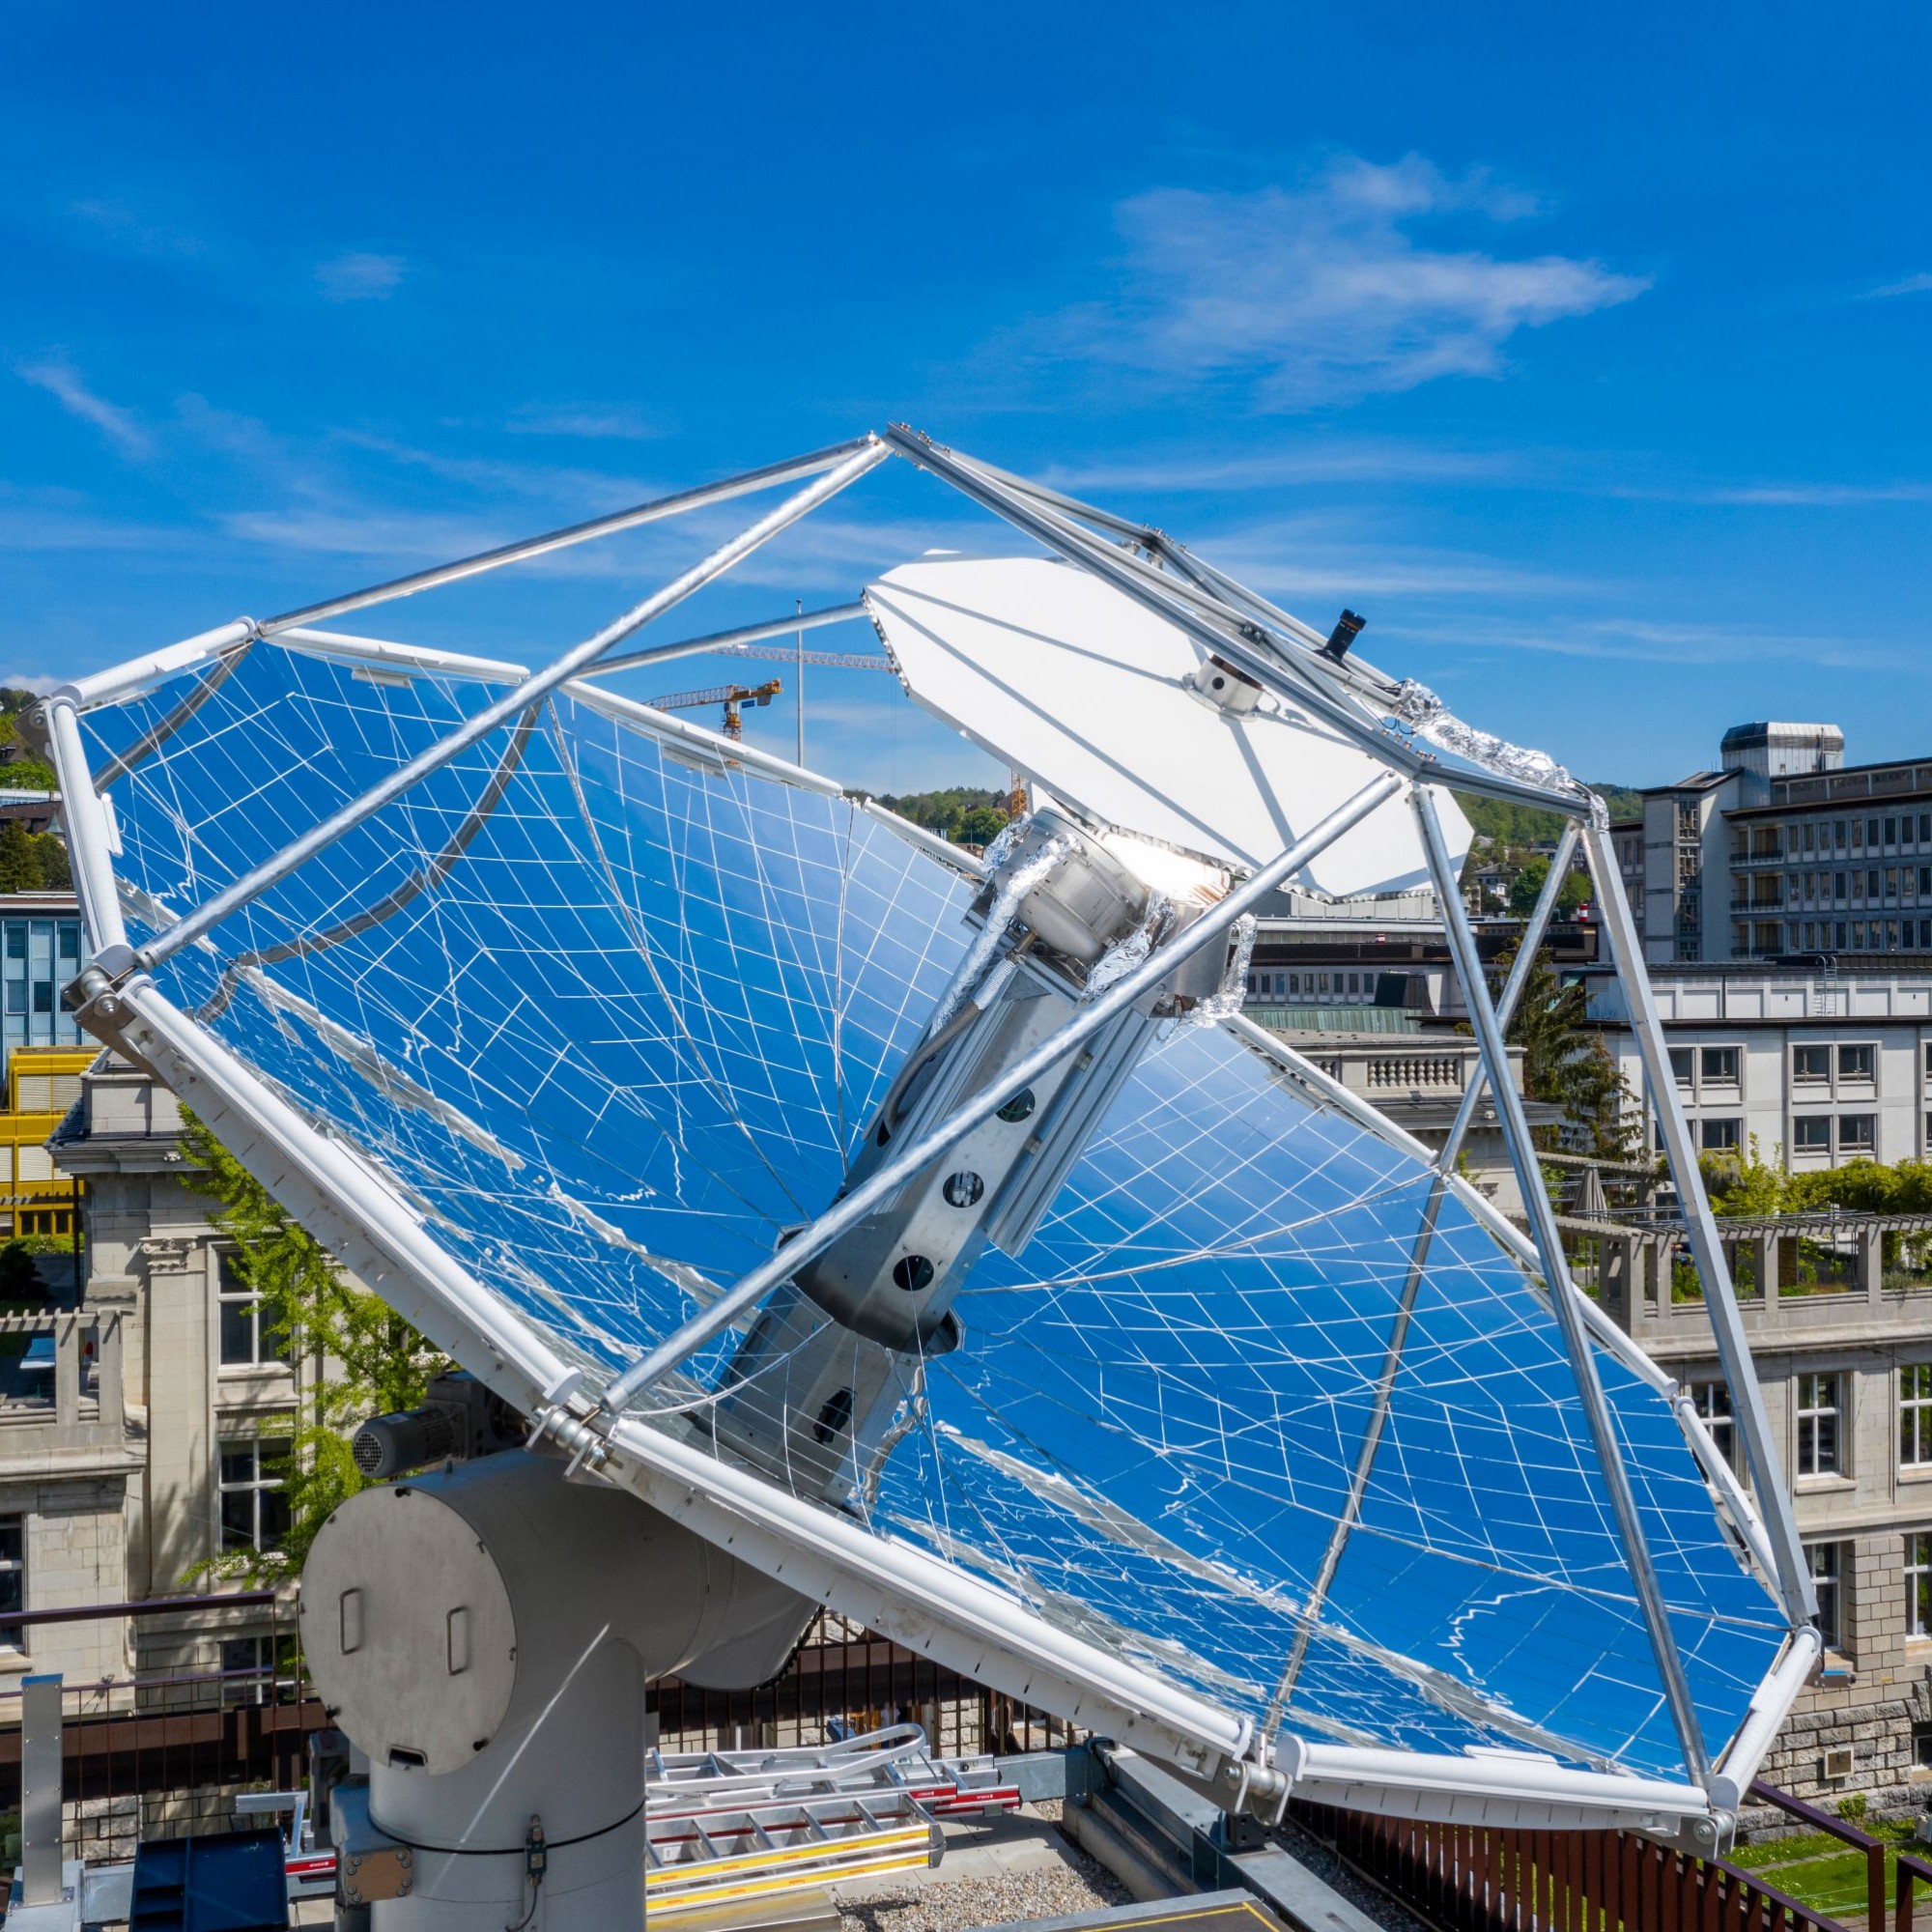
[(1085, 693)]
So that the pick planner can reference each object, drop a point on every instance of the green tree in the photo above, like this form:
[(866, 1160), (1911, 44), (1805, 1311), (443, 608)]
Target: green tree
[(981, 826), (1566, 1063), (1526, 888), (315, 1314), (1746, 1184), (22, 869)]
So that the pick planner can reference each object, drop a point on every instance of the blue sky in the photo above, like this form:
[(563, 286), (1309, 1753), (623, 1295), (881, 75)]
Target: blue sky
[(1585, 354)]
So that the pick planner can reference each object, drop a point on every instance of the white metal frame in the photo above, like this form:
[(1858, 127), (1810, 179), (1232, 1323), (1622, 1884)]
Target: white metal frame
[(899, 1590)]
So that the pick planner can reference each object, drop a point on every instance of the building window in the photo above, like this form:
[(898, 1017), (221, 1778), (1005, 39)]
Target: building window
[(1823, 1561), (1856, 1063), (1683, 1064), (1817, 1425), (1719, 1065), (12, 1579), (1811, 1065), (1719, 1136), (1811, 1133), (1914, 1414), (1918, 1583), (246, 1339), (254, 1509), (1857, 1133), (1713, 1403)]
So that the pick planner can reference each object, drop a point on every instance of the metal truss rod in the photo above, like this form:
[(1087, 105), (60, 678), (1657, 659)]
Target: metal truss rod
[(1356, 707), (886, 1179), (1521, 967), (1564, 1298), (1706, 1247), (770, 477), (88, 837), (1215, 588), (233, 897), (1179, 603), (725, 641), (1398, 1341)]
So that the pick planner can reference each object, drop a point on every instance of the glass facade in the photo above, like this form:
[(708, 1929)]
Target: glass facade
[(39, 952)]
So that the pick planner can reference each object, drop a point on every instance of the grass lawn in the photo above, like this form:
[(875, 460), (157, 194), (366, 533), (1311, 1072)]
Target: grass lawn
[(1825, 1874)]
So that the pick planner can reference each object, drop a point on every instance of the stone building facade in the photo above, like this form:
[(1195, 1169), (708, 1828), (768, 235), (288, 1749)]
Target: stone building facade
[(135, 1433), (1847, 1379)]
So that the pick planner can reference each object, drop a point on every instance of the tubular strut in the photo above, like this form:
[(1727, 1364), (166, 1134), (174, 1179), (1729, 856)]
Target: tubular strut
[(1563, 1295), (1445, 1166), (1706, 1248), (211, 912)]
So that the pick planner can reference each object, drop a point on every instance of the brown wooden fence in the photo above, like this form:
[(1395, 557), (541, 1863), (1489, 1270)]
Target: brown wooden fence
[(1473, 1878)]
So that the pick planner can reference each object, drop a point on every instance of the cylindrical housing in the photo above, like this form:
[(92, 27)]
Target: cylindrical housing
[(485, 1635)]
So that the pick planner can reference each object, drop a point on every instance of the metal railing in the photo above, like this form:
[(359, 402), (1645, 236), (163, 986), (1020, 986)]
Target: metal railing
[(1477, 1878), (208, 1699)]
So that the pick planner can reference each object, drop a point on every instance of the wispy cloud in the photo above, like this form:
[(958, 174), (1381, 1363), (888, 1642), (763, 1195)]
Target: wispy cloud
[(1322, 292), (359, 277), (1646, 640), (130, 228), (1912, 285), (1313, 461), (1820, 495), (62, 382), (618, 422)]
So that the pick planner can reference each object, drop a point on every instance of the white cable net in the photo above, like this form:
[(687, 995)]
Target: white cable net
[(612, 1010)]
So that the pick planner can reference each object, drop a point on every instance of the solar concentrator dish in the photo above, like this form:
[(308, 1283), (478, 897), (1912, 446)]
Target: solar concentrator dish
[(573, 1034)]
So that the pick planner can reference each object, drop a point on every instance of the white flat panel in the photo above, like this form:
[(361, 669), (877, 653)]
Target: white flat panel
[(1084, 692)]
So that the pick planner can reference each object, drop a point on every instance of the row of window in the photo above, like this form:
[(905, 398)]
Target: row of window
[(1850, 1135), (254, 1515), (1857, 935), (37, 957), (1330, 986), (1888, 829), (1820, 1414), (1828, 1563), (1775, 890), (1855, 1064)]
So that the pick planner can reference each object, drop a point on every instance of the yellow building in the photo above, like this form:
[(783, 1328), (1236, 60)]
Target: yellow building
[(42, 1082)]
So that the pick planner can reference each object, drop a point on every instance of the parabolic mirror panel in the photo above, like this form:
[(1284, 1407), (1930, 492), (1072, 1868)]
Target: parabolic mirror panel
[(611, 1011)]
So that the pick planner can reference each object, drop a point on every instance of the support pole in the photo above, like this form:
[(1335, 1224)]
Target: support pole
[(726, 641), (1355, 704), (770, 477), (231, 899), (1445, 1165), (1090, 1019), (1199, 613), (40, 1790), (89, 839), (1707, 1249), (1563, 1295)]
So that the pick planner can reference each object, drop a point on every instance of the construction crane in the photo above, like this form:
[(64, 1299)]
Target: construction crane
[(778, 654), (730, 695)]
